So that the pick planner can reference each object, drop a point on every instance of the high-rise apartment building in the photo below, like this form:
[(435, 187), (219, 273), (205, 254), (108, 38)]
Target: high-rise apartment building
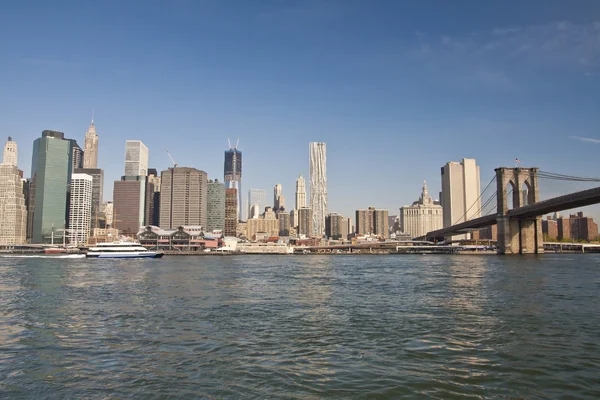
[(300, 192), (231, 212), (51, 169), (318, 186), (460, 193), (284, 223), (13, 213), (76, 155), (129, 204), (423, 216), (256, 197), (136, 158), (334, 226), (233, 175), (183, 198), (97, 193), (372, 221), (153, 210), (278, 199), (80, 214), (305, 222), (90, 146), (215, 206)]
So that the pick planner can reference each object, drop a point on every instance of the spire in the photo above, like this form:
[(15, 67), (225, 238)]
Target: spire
[(93, 116), (425, 193)]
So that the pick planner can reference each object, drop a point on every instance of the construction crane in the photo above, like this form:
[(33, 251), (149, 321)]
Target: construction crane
[(171, 157)]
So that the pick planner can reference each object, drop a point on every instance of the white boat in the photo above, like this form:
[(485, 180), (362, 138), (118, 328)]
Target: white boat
[(121, 250)]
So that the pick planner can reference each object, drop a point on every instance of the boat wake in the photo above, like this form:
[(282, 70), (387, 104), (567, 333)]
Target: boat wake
[(42, 256)]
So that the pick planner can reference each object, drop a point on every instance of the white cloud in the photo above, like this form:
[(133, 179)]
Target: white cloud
[(586, 139)]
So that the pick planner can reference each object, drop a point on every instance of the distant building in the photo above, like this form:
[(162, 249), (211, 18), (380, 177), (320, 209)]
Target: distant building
[(305, 221), (153, 210), (97, 192), (460, 193), (334, 226), (13, 212), (215, 208), (183, 197), (254, 211), (583, 228), (76, 155), (108, 212), (278, 198), (284, 223), (372, 221), (563, 226), (318, 186), (256, 197), (550, 229), (90, 155), (233, 175), (231, 212), (300, 192), (294, 218), (266, 223), (423, 216), (51, 170), (80, 213), (129, 202), (136, 158), (10, 153)]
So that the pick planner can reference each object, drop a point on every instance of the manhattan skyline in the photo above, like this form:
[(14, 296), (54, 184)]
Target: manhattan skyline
[(399, 89)]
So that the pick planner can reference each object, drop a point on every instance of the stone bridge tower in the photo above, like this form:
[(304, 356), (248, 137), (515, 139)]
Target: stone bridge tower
[(518, 236)]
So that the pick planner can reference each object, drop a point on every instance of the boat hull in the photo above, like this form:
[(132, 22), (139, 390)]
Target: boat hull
[(125, 255)]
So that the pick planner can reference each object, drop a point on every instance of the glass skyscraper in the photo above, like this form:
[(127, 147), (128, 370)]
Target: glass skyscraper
[(233, 174), (51, 168)]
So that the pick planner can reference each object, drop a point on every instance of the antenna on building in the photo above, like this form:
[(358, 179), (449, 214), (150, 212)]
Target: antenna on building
[(171, 157), (229, 143), (93, 115), (237, 143)]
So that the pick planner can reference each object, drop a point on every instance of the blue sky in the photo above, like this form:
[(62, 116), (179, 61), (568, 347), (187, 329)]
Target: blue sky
[(396, 89)]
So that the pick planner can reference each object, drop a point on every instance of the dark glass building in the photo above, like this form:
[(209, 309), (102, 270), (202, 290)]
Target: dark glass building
[(233, 174)]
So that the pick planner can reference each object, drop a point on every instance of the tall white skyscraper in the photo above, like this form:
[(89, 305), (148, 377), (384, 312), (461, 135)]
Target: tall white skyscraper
[(300, 192), (80, 209), (136, 158), (13, 213), (461, 189), (278, 198), (90, 147), (10, 153), (318, 186)]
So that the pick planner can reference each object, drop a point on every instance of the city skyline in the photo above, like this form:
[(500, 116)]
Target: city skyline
[(404, 86)]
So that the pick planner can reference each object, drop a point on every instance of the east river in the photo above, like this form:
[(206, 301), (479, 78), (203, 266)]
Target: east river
[(301, 327)]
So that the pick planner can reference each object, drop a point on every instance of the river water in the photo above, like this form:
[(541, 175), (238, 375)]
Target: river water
[(301, 327)]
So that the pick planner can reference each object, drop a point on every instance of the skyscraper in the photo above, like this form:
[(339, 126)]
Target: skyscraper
[(80, 213), (51, 169), (76, 155), (372, 222), (460, 192), (233, 174), (10, 153), (318, 186), (90, 158), (215, 207), (129, 202), (300, 192), (278, 199), (305, 222), (334, 226), (257, 197), (136, 158), (183, 197), (423, 216), (153, 213), (231, 212), (97, 192), (13, 213)]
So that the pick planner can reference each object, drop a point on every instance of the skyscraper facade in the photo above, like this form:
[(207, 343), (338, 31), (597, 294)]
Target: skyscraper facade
[(284, 223), (13, 212), (90, 146), (136, 158), (129, 199), (80, 214), (51, 169), (305, 222), (334, 226), (460, 193), (372, 221), (97, 192), (300, 192), (183, 198), (153, 212), (233, 174), (215, 207), (231, 212), (318, 186), (278, 198), (256, 197), (76, 155)]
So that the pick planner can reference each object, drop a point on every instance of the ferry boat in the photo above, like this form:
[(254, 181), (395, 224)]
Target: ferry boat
[(121, 250)]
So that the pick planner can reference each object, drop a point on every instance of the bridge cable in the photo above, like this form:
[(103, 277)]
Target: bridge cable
[(561, 177), (475, 202)]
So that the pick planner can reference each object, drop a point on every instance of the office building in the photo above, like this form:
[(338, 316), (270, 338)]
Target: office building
[(318, 186), (266, 224), (294, 218), (215, 206), (129, 204), (346, 228), (76, 155), (278, 199), (51, 169), (372, 221), (13, 212), (284, 223), (108, 212), (80, 214), (423, 216), (460, 193), (305, 222), (233, 174), (90, 146), (97, 193), (334, 226), (231, 212), (153, 211), (300, 192), (136, 158), (183, 198), (254, 212), (256, 197)]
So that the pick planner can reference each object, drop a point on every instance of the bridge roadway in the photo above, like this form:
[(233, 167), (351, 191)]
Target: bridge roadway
[(566, 202)]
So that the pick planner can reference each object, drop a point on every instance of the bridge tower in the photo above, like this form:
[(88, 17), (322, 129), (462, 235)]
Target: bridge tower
[(518, 236)]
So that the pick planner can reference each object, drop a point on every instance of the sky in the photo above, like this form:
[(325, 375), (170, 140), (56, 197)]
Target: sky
[(395, 89)]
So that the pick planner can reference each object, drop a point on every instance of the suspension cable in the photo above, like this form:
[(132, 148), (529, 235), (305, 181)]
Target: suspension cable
[(476, 200)]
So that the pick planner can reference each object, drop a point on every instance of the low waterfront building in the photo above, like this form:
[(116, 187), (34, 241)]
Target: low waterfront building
[(184, 239)]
